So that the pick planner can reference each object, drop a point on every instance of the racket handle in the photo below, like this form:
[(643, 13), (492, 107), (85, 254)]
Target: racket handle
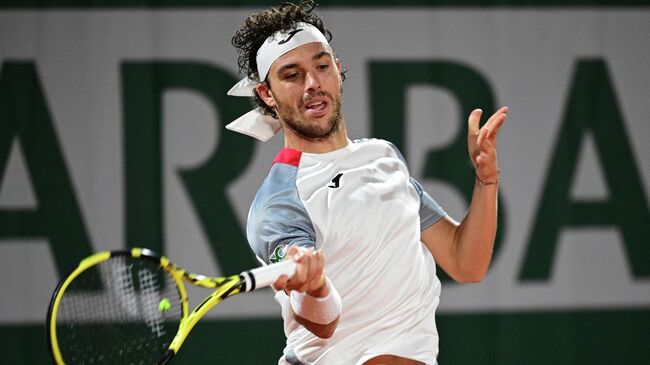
[(264, 276), (168, 356)]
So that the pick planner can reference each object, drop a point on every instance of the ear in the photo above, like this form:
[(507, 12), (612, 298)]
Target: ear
[(265, 94), (339, 68)]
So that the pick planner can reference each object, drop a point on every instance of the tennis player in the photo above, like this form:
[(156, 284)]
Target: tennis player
[(366, 236)]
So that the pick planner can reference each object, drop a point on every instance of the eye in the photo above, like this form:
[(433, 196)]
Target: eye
[(291, 76), (323, 66)]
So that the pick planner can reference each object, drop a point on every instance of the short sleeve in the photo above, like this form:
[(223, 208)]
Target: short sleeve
[(277, 217), (430, 210)]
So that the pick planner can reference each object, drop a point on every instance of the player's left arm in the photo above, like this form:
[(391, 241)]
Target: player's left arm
[(464, 249)]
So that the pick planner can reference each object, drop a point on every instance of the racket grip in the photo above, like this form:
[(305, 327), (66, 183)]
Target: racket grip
[(168, 356), (264, 276)]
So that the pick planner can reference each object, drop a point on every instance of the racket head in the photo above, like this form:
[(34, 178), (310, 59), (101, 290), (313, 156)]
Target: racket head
[(116, 307)]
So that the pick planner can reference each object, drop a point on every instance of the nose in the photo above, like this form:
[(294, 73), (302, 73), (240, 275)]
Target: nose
[(311, 82)]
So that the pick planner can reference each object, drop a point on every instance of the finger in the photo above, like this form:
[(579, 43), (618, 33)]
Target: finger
[(473, 122), (312, 269), (302, 270), (501, 110), (485, 153), (498, 122), (495, 123), (483, 135), (281, 282), (319, 275), (311, 260), (295, 253), (487, 147), (291, 252), (499, 114)]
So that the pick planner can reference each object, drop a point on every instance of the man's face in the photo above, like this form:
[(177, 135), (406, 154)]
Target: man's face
[(305, 90)]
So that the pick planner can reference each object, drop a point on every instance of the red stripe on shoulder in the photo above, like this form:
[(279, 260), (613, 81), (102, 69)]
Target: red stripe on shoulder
[(288, 156)]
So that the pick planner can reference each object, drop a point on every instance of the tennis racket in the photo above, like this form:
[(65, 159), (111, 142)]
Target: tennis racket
[(131, 307)]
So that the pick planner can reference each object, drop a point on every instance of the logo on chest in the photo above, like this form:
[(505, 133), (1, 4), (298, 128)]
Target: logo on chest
[(335, 181)]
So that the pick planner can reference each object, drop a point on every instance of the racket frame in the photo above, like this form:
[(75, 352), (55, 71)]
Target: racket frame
[(222, 287), (177, 274), (53, 308)]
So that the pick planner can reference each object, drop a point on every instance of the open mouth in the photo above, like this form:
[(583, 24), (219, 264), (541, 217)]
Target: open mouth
[(317, 106)]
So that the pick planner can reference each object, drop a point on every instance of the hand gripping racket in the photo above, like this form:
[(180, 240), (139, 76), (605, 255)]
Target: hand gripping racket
[(131, 307)]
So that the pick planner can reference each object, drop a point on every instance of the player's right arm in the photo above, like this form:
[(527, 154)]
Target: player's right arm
[(279, 227), (314, 302)]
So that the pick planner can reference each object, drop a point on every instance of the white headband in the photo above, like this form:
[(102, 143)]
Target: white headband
[(254, 123)]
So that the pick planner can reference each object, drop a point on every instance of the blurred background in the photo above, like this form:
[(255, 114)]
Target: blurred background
[(112, 118)]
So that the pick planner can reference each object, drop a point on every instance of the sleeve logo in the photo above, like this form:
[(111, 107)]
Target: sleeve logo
[(278, 254)]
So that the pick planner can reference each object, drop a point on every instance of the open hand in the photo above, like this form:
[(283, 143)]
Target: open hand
[(482, 143)]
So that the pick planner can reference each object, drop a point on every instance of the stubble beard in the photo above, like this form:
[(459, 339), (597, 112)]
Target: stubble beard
[(305, 129)]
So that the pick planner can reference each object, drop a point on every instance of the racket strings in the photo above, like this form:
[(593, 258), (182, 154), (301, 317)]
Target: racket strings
[(122, 311)]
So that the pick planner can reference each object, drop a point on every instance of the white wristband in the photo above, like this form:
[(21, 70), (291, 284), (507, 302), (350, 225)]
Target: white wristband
[(317, 310)]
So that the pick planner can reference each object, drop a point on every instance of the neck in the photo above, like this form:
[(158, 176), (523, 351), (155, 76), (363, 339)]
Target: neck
[(337, 140)]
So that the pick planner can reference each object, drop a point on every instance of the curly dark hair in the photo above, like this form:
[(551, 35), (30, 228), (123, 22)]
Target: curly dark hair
[(258, 27)]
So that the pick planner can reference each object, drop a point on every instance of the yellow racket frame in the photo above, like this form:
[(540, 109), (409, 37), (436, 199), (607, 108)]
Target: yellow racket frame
[(225, 287)]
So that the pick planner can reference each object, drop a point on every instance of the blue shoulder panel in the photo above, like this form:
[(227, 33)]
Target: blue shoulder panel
[(277, 217), (430, 210)]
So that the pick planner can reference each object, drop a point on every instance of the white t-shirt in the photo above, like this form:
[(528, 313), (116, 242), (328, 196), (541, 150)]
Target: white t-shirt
[(361, 206)]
